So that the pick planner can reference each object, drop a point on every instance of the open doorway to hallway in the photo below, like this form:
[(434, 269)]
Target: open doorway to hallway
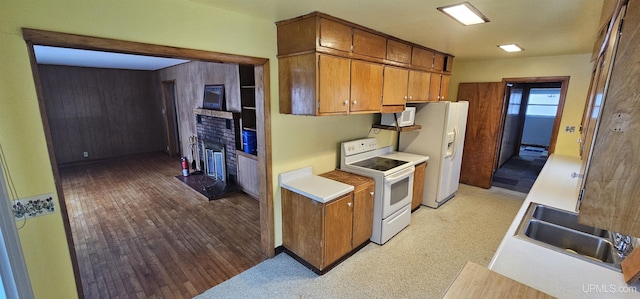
[(528, 132)]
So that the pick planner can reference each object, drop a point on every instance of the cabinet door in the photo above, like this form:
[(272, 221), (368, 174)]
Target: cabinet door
[(335, 35), (422, 57), (418, 90), (398, 51), (248, 178), (363, 215), (434, 87), (395, 86), (369, 44), (418, 185), (334, 75), (438, 62), (366, 86), (444, 87), (338, 224)]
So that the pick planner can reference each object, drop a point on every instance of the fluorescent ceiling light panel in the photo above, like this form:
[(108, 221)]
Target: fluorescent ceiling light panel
[(511, 48), (464, 13)]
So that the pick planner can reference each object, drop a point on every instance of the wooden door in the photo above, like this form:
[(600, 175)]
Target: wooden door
[(486, 101), (363, 215), (434, 87), (338, 222), (366, 86), (395, 86), (335, 84), (418, 90)]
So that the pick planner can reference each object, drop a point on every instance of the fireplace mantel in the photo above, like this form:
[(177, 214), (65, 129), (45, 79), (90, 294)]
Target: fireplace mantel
[(217, 113)]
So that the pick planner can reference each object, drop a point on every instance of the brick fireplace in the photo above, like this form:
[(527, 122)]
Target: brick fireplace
[(216, 131)]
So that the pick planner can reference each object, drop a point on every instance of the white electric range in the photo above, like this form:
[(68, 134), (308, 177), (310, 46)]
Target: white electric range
[(393, 176)]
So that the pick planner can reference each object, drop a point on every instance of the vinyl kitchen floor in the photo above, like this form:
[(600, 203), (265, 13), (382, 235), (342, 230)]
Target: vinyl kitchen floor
[(419, 262)]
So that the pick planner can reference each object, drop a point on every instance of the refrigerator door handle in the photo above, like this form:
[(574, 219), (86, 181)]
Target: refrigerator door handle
[(455, 141)]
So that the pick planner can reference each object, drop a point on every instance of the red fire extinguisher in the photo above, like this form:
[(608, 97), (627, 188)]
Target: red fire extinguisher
[(185, 167)]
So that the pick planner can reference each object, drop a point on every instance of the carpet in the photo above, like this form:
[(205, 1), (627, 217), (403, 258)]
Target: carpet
[(419, 262)]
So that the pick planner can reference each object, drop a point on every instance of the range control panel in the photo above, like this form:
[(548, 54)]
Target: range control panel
[(359, 146)]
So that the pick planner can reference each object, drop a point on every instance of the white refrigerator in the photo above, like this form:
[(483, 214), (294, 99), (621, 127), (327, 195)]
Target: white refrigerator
[(442, 139)]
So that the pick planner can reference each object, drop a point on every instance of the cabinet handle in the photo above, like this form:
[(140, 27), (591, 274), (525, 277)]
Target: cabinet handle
[(576, 175), (410, 98), (346, 102), (355, 102), (348, 204), (371, 193), (405, 97)]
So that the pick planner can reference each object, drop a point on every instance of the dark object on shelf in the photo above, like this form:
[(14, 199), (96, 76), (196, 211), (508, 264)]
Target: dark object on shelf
[(213, 97)]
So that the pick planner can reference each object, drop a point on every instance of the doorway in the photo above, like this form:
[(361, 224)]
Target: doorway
[(531, 118), (171, 117), (55, 39)]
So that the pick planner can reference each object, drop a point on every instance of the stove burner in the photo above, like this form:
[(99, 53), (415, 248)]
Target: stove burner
[(379, 163)]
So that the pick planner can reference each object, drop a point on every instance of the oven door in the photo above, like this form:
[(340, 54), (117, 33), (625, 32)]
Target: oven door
[(397, 191)]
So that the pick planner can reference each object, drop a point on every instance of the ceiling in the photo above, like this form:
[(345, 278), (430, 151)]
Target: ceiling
[(87, 58), (541, 27)]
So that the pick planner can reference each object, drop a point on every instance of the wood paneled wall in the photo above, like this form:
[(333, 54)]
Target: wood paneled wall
[(105, 112), (190, 79)]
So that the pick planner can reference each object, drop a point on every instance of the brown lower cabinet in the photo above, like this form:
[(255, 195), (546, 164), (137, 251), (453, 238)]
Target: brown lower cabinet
[(418, 185), (321, 234)]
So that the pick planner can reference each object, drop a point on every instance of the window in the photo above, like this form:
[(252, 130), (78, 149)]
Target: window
[(543, 102)]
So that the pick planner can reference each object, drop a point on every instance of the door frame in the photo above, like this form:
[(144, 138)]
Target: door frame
[(57, 39), (564, 80), (170, 116)]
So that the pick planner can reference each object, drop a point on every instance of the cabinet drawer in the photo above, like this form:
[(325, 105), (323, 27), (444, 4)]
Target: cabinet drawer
[(369, 44)]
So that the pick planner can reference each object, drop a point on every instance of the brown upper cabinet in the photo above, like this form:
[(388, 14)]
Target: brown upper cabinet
[(369, 44), (357, 85), (334, 35), (398, 51), (611, 182), (344, 85)]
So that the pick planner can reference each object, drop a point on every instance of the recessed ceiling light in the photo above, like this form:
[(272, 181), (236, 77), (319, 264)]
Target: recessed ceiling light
[(464, 13), (511, 48)]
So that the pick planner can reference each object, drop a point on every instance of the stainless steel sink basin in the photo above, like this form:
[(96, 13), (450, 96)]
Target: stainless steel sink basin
[(559, 230), (566, 219)]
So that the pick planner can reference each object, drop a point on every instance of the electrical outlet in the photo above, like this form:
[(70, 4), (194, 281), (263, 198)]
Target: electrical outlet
[(33, 206), (85, 154)]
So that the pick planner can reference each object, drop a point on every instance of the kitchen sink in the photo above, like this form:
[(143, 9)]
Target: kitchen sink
[(566, 219), (560, 231)]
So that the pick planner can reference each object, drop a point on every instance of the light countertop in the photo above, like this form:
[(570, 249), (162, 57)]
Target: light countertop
[(402, 156), (552, 272), (318, 188)]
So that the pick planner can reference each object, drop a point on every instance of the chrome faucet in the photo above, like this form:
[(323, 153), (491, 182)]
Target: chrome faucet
[(622, 244)]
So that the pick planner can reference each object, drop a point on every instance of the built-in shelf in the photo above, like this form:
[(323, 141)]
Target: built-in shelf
[(398, 129), (217, 113), (248, 108), (248, 86), (249, 129)]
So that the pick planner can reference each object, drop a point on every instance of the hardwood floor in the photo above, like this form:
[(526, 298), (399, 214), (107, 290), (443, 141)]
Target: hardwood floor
[(141, 233)]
